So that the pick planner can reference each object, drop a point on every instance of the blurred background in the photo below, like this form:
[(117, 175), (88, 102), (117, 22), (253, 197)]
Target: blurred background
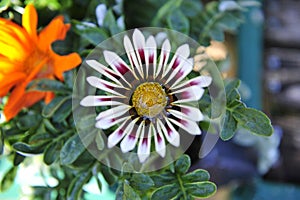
[(264, 52)]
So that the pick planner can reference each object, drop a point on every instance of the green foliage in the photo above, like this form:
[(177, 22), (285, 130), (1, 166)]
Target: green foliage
[(238, 115), (182, 185), (50, 129)]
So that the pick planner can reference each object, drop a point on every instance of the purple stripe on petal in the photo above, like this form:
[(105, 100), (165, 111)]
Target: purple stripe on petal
[(175, 64), (142, 55), (122, 68)]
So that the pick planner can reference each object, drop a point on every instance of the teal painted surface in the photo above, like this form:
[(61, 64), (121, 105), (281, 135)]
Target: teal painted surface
[(250, 55)]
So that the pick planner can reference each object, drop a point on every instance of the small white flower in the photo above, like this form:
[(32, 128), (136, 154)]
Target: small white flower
[(149, 96), (101, 11)]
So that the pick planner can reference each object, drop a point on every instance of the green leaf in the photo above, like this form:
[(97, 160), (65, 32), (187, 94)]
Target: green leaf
[(92, 34), (32, 149), (108, 175), (229, 22), (183, 164), (191, 8), (1, 141), (253, 120), (18, 159), (53, 106), (63, 111), (178, 21), (71, 150), (48, 85), (165, 10), (129, 193), (201, 189), (165, 192), (216, 33), (4, 5), (163, 179), (110, 23), (141, 182), (51, 152), (198, 175), (75, 188), (28, 121), (8, 179), (229, 126)]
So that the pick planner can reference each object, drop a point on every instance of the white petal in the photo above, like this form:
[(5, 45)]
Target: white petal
[(181, 54), (200, 81), (181, 71), (160, 146), (100, 101), (164, 56), (116, 63), (184, 70), (144, 146), (115, 137), (105, 71), (101, 84), (150, 54), (193, 93), (132, 56), (107, 123), (114, 112), (139, 46), (130, 140), (187, 125), (187, 112), (170, 133)]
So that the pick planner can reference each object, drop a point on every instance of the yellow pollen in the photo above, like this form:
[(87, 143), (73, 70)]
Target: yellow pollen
[(149, 99)]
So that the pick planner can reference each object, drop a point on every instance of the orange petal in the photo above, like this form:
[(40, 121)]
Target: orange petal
[(49, 96), (7, 66), (19, 99), (56, 30), (29, 21), (8, 81), (9, 37), (65, 63), (15, 30)]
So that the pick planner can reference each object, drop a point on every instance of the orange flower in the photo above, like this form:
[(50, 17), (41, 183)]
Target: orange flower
[(26, 55)]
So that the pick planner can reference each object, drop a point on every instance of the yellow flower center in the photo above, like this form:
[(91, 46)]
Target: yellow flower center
[(149, 99)]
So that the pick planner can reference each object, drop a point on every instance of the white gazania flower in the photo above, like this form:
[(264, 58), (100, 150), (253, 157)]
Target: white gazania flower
[(149, 96)]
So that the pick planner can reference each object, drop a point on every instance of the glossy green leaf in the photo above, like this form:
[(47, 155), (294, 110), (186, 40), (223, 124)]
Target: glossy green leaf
[(129, 192), (165, 10), (1, 141), (191, 8), (110, 23), (201, 189), (141, 182), (53, 106), (32, 149), (177, 21), (198, 175), (4, 5), (63, 111), (48, 85), (18, 159), (229, 126), (108, 175), (163, 179), (51, 152), (8, 178), (71, 150), (183, 164), (92, 34), (165, 192), (75, 188), (28, 121), (253, 120)]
